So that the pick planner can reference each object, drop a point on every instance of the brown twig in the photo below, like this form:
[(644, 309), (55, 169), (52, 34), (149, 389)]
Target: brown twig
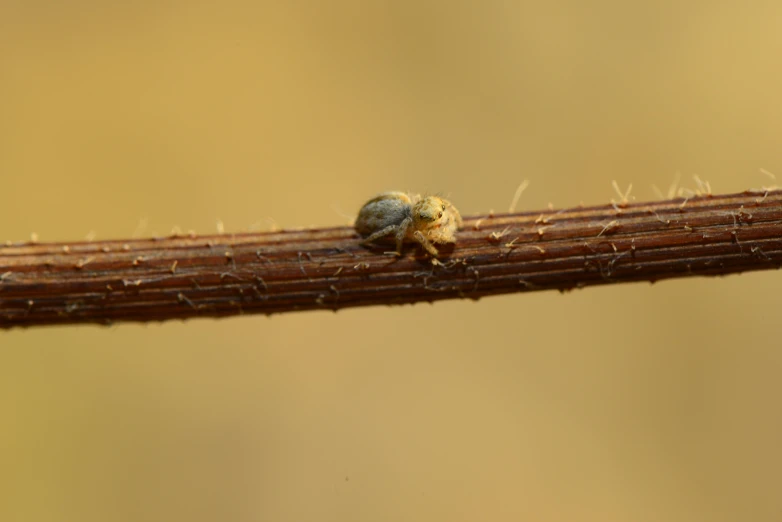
[(223, 275)]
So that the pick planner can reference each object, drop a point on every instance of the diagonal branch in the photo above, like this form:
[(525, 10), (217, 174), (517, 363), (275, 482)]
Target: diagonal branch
[(223, 275)]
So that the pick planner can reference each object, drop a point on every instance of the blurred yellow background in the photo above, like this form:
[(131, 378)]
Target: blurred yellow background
[(635, 402)]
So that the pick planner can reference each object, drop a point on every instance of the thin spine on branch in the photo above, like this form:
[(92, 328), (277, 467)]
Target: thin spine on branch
[(180, 277)]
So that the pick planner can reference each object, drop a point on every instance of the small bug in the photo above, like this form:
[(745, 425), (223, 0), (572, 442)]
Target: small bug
[(426, 220)]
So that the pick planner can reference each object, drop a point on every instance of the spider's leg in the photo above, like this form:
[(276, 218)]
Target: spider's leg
[(387, 231), (401, 233), (425, 243)]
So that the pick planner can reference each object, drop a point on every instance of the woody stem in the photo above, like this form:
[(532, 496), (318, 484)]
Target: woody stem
[(224, 275)]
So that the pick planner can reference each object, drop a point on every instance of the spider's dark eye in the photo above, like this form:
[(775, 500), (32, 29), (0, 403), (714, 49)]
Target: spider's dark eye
[(443, 207), (439, 215)]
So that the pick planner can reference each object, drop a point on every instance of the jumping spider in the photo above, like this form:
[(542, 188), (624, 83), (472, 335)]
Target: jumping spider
[(426, 220)]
